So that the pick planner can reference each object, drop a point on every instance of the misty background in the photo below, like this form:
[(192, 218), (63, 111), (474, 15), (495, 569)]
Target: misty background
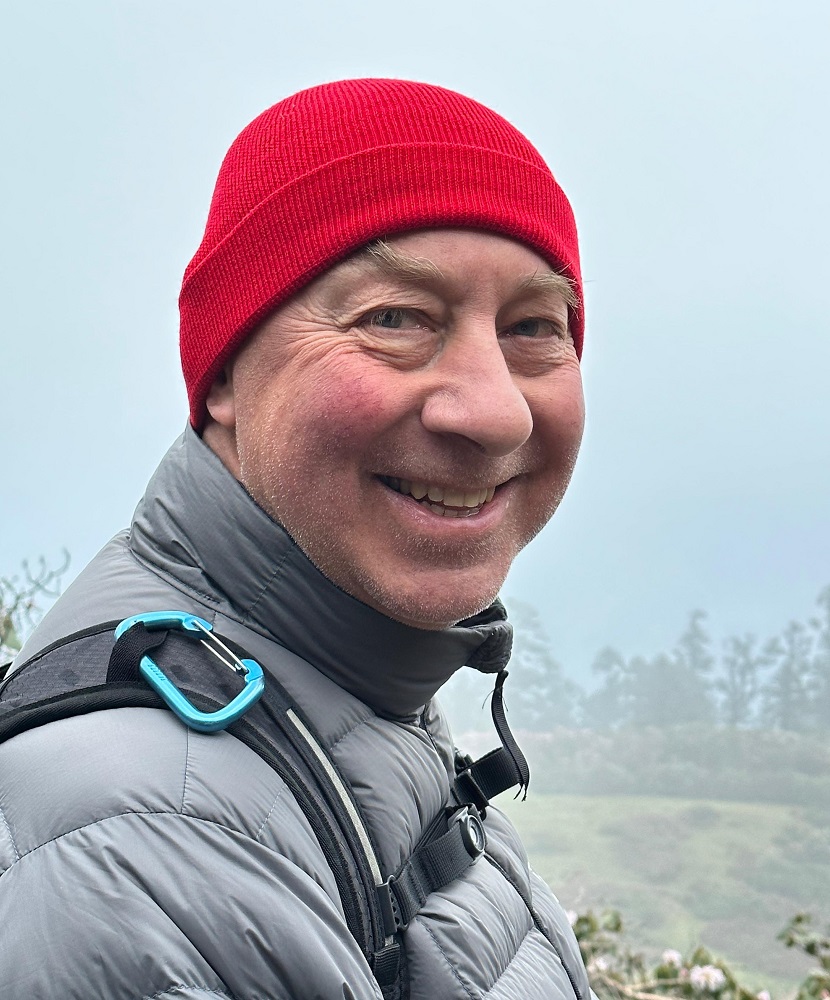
[(692, 140)]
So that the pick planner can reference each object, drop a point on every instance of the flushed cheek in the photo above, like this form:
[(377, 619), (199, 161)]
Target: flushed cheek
[(317, 470), (346, 416)]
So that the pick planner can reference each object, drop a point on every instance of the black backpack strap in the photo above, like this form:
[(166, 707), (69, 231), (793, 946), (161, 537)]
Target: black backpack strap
[(446, 852), (387, 968), (65, 678), (65, 706), (90, 671)]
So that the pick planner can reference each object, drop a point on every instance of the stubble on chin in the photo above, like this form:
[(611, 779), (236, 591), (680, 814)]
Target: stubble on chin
[(421, 607), (278, 483)]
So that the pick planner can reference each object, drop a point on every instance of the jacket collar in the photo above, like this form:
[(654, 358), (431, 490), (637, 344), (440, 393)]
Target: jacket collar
[(197, 525)]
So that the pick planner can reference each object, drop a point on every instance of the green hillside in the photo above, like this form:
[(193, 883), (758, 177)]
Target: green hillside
[(687, 871)]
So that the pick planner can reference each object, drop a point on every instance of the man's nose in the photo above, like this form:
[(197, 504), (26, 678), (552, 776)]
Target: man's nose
[(476, 396)]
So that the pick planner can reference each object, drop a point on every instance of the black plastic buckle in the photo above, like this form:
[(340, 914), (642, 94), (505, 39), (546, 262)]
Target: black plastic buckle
[(392, 922)]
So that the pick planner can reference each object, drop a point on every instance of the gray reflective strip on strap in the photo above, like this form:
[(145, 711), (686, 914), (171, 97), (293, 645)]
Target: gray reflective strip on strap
[(348, 804)]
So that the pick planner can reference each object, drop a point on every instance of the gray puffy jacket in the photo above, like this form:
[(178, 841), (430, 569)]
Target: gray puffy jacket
[(140, 860)]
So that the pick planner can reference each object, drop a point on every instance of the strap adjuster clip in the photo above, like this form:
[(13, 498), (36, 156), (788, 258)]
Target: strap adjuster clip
[(390, 911)]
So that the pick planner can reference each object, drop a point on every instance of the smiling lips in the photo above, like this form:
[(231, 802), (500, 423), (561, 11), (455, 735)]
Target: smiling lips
[(443, 501)]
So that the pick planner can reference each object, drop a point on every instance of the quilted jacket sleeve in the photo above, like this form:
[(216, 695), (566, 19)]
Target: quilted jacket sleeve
[(139, 860)]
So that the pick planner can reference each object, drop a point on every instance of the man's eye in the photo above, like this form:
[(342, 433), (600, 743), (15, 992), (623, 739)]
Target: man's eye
[(392, 319), (534, 328)]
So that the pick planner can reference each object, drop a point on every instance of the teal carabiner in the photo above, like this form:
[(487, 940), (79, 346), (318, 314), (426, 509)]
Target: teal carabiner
[(203, 722)]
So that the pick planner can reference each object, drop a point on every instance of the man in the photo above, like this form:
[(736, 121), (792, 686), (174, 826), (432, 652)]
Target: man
[(380, 337)]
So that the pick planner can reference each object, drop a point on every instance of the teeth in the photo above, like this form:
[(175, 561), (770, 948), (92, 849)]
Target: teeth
[(441, 500), (449, 512)]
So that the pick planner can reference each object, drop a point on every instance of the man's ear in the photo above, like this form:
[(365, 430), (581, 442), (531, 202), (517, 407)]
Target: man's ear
[(220, 402), (219, 432)]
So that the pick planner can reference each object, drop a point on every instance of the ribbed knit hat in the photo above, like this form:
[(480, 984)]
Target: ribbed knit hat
[(332, 168)]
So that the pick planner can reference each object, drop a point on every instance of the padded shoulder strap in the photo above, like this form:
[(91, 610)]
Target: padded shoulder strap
[(65, 679), (82, 673)]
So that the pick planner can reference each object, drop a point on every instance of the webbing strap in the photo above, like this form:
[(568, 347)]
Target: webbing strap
[(386, 964), (432, 866), (478, 781), (481, 780), (508, 741), (128, 650)]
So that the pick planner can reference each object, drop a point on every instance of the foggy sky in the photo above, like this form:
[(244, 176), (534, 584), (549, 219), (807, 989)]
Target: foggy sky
[(692, 140)]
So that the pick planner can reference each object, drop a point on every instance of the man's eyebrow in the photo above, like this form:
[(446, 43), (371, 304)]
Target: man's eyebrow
[(552, 281), (397, 264), (400, 265)]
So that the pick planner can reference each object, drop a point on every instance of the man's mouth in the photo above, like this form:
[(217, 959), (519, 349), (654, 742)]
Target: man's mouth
[(441, 500)]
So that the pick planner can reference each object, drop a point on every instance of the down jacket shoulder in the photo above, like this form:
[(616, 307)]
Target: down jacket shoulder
[(142, 861)]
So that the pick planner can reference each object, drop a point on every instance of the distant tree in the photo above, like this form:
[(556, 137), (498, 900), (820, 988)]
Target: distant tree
[(694, 647), (694, 659), (818, 682), (652, 690), (665, 691), (608, 705), (540, 696), (22, 600), (786, 696), (739, 683), (784, 683)]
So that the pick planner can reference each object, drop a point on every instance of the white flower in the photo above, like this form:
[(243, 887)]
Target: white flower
[(572, 916), (707, 977), (600, 963), (673, 958), (764, 995)]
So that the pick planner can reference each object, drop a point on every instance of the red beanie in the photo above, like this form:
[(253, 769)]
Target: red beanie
[(328, 170)]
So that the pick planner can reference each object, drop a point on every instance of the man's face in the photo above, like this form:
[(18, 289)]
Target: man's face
[(412, 419)]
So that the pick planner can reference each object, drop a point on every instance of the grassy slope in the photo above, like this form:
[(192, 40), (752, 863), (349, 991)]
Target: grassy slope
[(683, 872)]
